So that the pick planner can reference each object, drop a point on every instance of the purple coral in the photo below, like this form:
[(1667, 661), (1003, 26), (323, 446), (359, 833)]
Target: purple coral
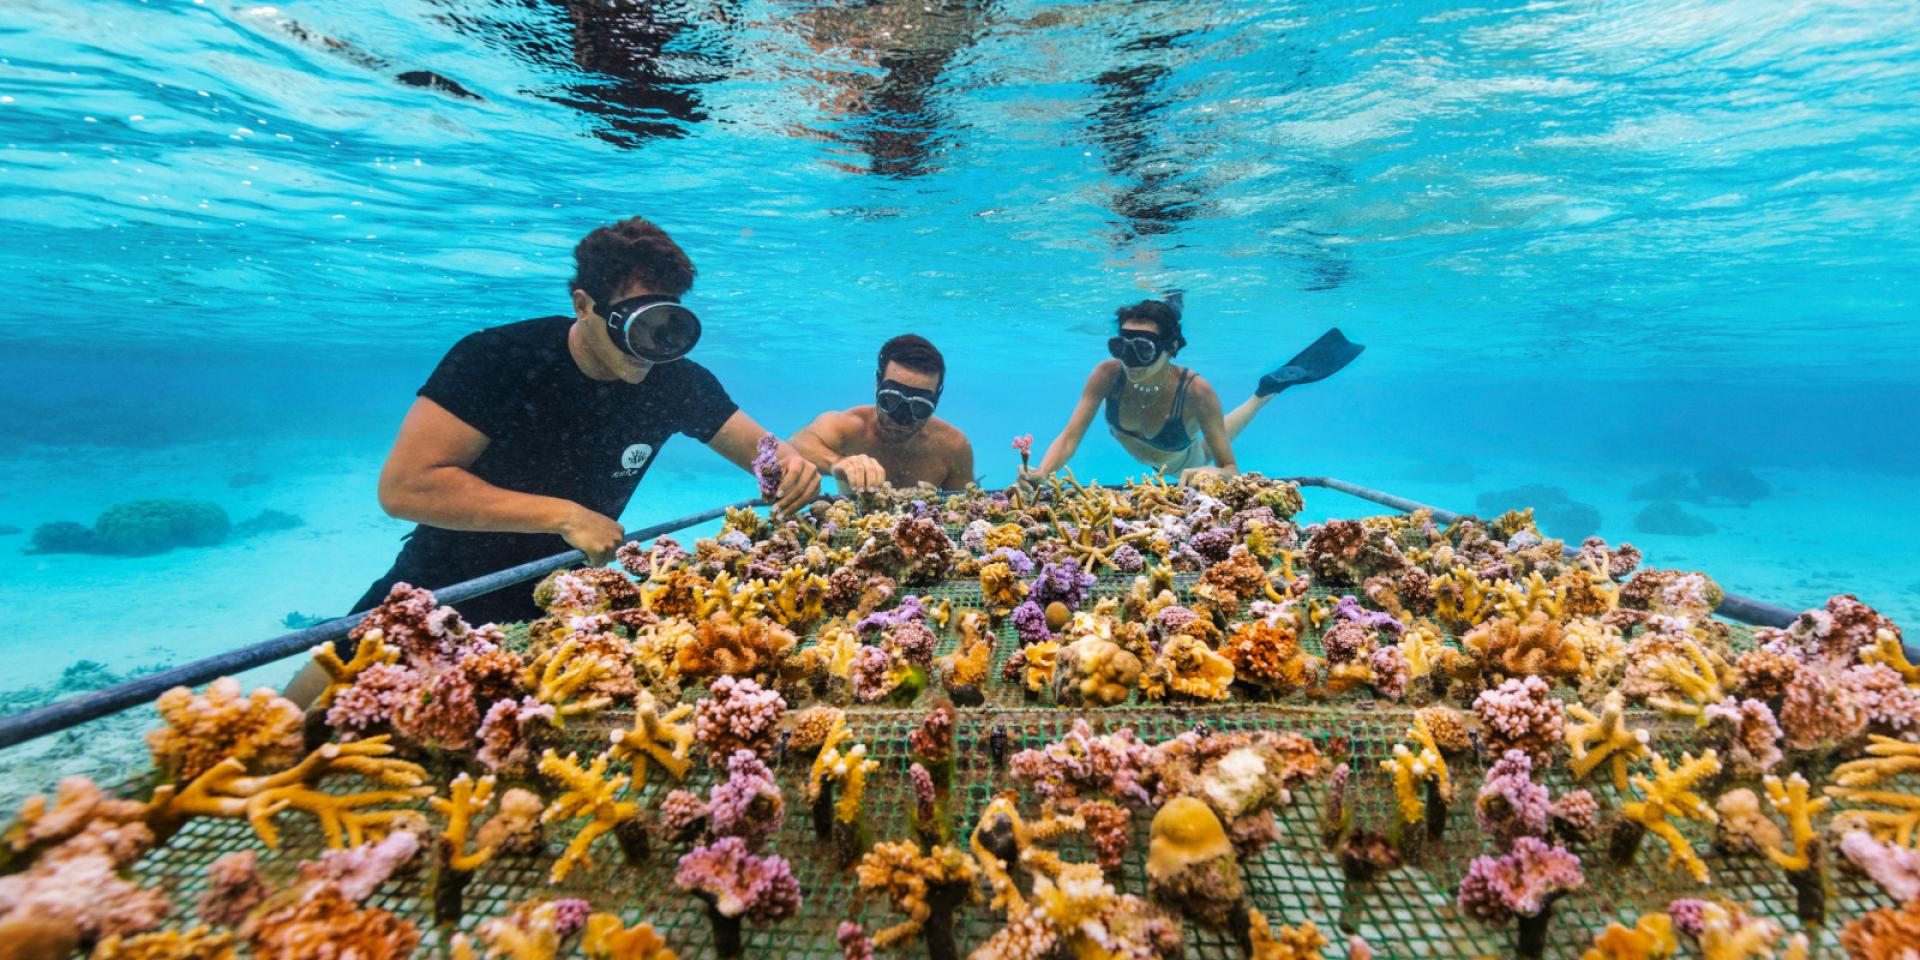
[(739, 714), (1348, 608), (924, 799), (737, 884), (1172, 620), (910, 610), (871, 674), (974, 536), (1510, 805), (1064, 582), (1689, 917), (748, 805), (1520, 714), (1126, 559), (1030, 622), (1213, 545), (766, 467), (570, 916), (1347, 640), (1523, 883), (1016, 560)]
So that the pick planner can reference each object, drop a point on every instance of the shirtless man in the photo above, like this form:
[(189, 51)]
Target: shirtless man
[(896, 439)]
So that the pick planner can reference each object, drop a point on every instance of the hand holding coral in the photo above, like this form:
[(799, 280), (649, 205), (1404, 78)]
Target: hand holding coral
[(799, 484)]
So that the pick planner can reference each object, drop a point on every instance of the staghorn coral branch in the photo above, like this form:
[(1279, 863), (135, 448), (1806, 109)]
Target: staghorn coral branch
[(372, 650), (1886, 759), (1593, 741), (468, 798), (589, 793), (1791, 800), (225, 791), (655, 738)]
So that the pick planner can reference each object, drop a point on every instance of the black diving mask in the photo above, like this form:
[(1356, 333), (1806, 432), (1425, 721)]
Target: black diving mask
[(903, 404), (653, 328), (1136, 349)]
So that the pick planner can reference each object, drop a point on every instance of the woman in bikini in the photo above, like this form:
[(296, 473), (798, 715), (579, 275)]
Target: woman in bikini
[(1166, 416)]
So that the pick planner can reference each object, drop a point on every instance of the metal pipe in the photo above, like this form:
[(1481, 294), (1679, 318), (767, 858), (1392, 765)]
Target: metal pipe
[(73, 711), (1746, 610)]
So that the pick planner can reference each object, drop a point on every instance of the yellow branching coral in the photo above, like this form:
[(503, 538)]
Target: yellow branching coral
[(1886, 649), (607, 938), (908, 879), (1461, 599), (1599, 642), (1726, 934), (466, 798), (1188, 667), (1288, 943), (1420, 645), (665, 739), (1001, 587), (846, 769), (1790, 799), (727, 595), (261, 730), (1413, 770), (199, 943), (372, 650), (1650, 939), (589, 793), (1593, 741), (799, 599), (1520, 601), (1696, 679), (656, 650), (1002, 818), (560, 677), (345, 820), (1671, 793), (841, 645), (1861, 783), (1039, 657)]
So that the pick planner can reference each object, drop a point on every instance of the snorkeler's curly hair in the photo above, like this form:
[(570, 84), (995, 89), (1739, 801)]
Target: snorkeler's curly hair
[(1158, 313), (635, 249)]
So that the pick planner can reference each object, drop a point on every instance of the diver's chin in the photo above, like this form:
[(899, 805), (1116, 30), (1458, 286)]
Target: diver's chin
[(1139, 374), (894, 433)]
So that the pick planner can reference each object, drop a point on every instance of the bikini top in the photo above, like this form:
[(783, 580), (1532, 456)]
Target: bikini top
[(1173, 436)]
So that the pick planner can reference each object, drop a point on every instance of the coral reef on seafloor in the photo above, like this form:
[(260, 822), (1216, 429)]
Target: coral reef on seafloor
[(1062, 720)]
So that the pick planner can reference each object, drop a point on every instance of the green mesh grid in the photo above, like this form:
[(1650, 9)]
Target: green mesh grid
[(1406, 913)]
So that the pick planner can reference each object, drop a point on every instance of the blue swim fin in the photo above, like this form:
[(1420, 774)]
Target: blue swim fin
[(1324, 358)]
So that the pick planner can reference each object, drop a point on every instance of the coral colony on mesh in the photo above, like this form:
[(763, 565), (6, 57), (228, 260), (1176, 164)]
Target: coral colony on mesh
[(1071, 722)]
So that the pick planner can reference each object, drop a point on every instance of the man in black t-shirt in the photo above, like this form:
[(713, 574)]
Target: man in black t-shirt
[(531, 437)]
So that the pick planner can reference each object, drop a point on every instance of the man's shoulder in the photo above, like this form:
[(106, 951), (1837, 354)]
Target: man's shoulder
[(947, 435), (521, 334)]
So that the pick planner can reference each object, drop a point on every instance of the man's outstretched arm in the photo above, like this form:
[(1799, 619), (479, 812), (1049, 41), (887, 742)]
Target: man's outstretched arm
[(428, 479)]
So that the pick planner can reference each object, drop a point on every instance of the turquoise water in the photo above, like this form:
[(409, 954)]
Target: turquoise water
[(1586, 244)]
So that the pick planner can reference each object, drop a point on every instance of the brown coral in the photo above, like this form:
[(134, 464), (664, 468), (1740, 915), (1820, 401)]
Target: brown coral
[(1536, 646)]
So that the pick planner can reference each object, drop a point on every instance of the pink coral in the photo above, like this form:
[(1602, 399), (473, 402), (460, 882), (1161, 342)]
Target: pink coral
[(84, 891), (913, 641), (738, 884), (1523, 883), (1119, 765), (738, 714), (1835, 635), (925, 802), (412, 621), (503, 734), (359, 871), (570, 916), (440, 712), (1510, 805), (871, 675), (1520, 714), (932, 741), (1818, 712), (1891, 707), (234, 888), (1746, 736), (373, 698), (262, 729), (854, 942), (1895, 868), (1576, 816), (748, 804), (1689, 916), (1348, 640), (1390, 673)]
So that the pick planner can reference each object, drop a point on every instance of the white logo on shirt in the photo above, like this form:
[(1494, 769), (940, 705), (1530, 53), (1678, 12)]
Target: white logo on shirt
[(636, 456)]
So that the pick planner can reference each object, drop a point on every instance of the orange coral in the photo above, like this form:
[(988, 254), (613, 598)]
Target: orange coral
[(1890, 933), (200, 943), (317, 921), (724, 647), (1536, 646), (1269, 655), (609, 939), (79, 819), (262, 731)]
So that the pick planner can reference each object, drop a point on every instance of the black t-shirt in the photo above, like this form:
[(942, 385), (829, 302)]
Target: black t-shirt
[(551, 430)]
